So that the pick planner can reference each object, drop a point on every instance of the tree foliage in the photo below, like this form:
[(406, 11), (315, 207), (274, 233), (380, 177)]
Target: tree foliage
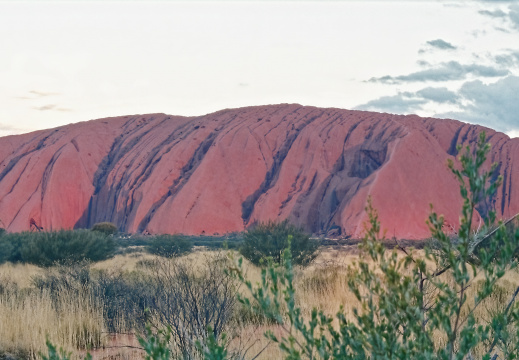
[(169, 245), (106, 228), (268, 240)]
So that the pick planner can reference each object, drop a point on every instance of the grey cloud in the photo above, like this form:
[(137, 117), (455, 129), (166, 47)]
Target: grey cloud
[(53, 107), (509, 59), (42, 93), (446, 71), (36, 95), (495, 105), (511, 18), (45, 107), (9, 128), (407, 102), (495, 14), (441, 44), (514, 15), (397, 104), (439, 95)]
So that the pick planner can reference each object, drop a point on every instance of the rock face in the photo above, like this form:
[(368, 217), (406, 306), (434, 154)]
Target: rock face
[(224, 171)]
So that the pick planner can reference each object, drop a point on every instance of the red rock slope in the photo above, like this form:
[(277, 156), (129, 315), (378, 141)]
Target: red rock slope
[(223, 171)]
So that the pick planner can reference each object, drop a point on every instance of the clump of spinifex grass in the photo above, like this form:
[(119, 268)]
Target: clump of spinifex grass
[(28, 317)]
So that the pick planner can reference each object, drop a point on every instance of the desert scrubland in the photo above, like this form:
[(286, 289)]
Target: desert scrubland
[(60, 304)]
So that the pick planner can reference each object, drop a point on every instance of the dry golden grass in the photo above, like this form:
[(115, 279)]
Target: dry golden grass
[(28, 319), (19, 274), (124, 263)]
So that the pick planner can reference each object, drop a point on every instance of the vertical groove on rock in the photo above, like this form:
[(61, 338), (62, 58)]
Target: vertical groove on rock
[(184, 177), (272, 174), (503, 191), (453, 150), (117, 151), (48, 171), (102, 205), (313, 220), (17, 158), (19, 177)]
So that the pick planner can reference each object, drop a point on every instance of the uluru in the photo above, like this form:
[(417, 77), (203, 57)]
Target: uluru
[(226, 171)]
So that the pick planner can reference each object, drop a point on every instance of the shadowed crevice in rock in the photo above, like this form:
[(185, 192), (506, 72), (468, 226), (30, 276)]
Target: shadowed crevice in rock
[(102, 203), (350, 173), (120, 147), (135, 176), (273, 172), (185, 174), (19, 177), (126, 215), (16, 159), (314, 220), (503, 190), (453, 150), (488, 204), (48, 172)]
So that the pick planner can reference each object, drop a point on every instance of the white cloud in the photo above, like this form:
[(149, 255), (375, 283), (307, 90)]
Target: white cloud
[(513, 133)]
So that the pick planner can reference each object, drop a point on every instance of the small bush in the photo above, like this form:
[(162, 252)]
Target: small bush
[(126, 296), (196, 302), (271, 238), (169, 245), (48, 248), (106, 228)]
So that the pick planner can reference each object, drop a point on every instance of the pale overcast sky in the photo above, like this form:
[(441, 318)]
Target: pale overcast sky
[(69, 61)]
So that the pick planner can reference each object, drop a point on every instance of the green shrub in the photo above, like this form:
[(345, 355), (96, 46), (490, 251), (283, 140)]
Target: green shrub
[(106, 228), (55, 354), (271, 238), (10, 247), (48, 248), (169, 245)]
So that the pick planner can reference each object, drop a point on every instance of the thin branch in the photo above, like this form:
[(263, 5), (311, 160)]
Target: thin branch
[(268, 344), (508, 307), (477, 242), (124, 346), (474, 245)]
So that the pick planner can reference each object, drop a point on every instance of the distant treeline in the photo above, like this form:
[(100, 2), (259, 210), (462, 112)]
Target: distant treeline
[(48, 248)]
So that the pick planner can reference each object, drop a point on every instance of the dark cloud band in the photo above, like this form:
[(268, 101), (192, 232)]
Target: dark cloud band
[(441, 44), (446, 71)]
